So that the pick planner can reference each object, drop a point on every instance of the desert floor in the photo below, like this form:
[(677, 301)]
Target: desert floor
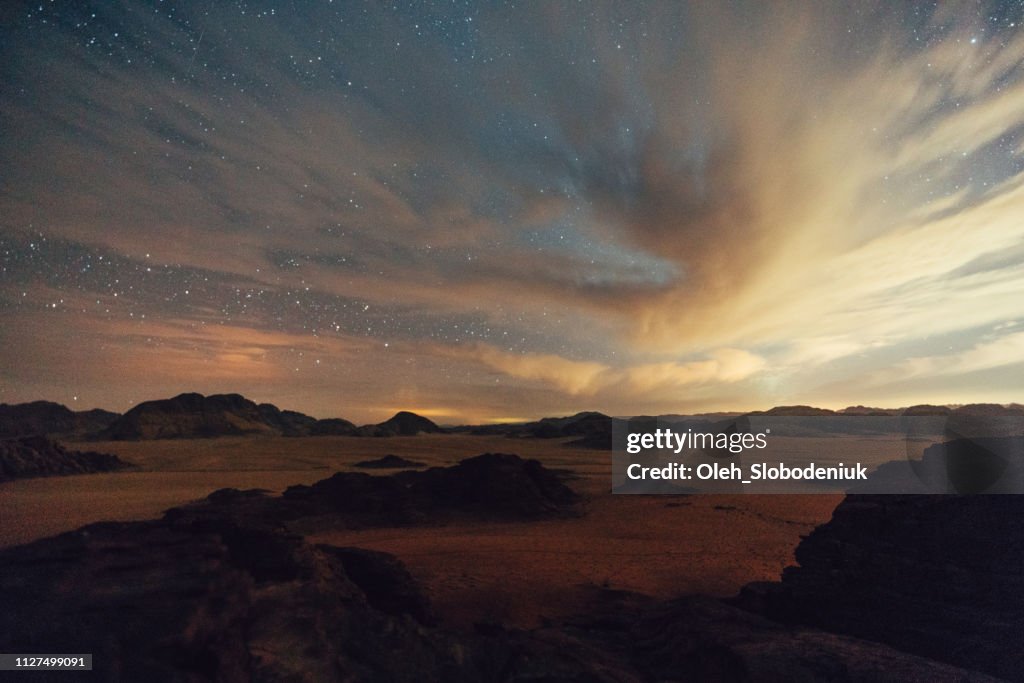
[(517, 573)]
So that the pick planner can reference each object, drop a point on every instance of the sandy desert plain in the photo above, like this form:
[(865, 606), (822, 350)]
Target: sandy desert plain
[(516, 573)]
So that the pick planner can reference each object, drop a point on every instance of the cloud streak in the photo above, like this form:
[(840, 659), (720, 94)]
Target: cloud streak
[(628, 204)]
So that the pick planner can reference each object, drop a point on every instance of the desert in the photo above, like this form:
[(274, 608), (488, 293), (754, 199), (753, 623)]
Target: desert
[(504, 543)]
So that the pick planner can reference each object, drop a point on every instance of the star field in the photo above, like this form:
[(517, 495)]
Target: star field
[(498, 210)]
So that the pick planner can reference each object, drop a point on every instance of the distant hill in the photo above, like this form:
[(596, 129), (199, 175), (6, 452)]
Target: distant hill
[(389, 462), (581, 424), (191, 416), (51, 419), (288, 422), (865, 411), (922, 410), (332, 426), (793, 411), (402, 423), (990, 410)]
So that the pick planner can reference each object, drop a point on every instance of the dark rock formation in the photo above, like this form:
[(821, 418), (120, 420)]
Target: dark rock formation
[(38, 456), (989, 410), (868, 412), (190, 416), (209, 599), (703, 639), (925, 410), (223, 591), (794, 411), (166, 601), (286, 422), (51, 419), (334, 426), (581, 424), (389, 462), (402, 423), (937, 576), (384, 581), (490, 486)]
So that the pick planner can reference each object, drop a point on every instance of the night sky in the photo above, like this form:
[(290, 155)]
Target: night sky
[(500, 211)]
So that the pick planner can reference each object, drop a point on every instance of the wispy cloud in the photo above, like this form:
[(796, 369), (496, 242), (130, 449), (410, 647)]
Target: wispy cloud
[(613, 202)]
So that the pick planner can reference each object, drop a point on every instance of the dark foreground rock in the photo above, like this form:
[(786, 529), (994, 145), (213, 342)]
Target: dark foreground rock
[(161, 601), (224, 590), (703, 639), (182, 600), (388, 462), (938, 576), (38, 456)]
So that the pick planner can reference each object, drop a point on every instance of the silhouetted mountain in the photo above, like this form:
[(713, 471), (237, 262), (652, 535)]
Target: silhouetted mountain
[(868, 412), (989, 410), (37, 456), (332, 426), (793, 411), (287, 422), (190, 416), (51, 419), (580, 424), (389, 462), (402, 423), (925, 410)]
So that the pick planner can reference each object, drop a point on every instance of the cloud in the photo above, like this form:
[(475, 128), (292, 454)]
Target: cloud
[(996, 353), (824, 187), (583, 378)]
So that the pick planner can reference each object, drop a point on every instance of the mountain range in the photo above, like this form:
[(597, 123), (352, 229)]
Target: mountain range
[(192, 415)]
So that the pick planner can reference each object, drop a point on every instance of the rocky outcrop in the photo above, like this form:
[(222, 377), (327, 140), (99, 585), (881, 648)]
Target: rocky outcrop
[(332, 426), (191, 416), (402, 423), (925, 410), (580, 424), (167, 601), (937, 576), (989, 410), (794, 411), (286, 422), (489, 486), (224, 590), (210, 598), (387, 462), (38, 456), (703, 639), (384, 581)]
